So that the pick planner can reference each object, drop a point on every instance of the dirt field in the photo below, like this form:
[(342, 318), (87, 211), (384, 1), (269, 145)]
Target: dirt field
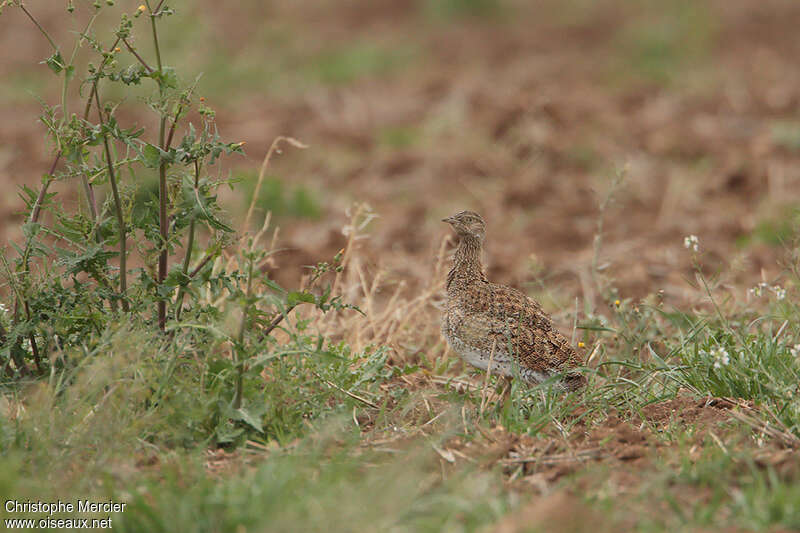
[(522, 113)]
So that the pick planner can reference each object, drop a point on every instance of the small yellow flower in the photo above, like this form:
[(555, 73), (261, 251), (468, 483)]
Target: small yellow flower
[(617, 302), (142, 8), (117, 49), (581, 345)]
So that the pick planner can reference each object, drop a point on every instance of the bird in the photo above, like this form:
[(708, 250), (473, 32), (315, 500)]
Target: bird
[(484, 321)]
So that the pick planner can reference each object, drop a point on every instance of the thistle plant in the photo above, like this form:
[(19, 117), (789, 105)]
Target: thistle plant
[(91, 279), (167, 265)]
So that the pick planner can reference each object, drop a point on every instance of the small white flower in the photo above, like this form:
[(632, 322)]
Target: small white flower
[(3, 309), (759, 289), (721, 357), (780, 292), (795, 350), (691, 243)]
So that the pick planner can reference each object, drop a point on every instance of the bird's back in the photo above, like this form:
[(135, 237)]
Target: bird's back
[(485, 320)]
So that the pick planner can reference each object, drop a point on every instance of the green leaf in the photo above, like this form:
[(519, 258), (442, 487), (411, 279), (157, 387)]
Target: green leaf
[(151, 156), (226, 432), (296, 297), (166, 78), (243, 415), (215, 222), (55, 62), (273, 285), (93, 259), (176, 278), (203, 207), (30, 229)]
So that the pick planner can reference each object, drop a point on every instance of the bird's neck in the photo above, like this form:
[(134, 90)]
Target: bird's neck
[(467, 266)]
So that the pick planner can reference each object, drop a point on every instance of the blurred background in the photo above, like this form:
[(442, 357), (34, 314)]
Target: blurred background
[(524, 111)]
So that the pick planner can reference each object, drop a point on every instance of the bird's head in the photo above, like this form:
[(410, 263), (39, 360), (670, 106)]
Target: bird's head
[(467, 224)]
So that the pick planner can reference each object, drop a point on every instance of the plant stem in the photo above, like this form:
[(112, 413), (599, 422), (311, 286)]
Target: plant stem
[(6, 367), (155, 38), (280, 316), (174, 125), (237, 397), (65, 86), (276, 321), (37, 205), (190, 275), (32, 339), (189, 245), (36, 211), (19, 362), (137, 56), (87, 189), (163, 222), (123, 272), (87, 186), (163, 226), (41, 29), (200, 265)]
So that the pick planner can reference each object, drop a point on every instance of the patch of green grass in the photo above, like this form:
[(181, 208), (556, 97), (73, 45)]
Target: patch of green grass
[(351, 62), (666, 39), (730, 363), (290, 66), (133, 426), (447, 9), (326, 484), (777, 230), (281, 200), (399, 136), (583, 156), (787, 135)]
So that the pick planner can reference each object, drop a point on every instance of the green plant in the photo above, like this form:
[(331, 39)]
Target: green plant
[(177, 284), (98, 152)]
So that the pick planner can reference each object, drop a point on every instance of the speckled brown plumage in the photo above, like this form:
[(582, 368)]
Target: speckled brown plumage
[(483, 320)]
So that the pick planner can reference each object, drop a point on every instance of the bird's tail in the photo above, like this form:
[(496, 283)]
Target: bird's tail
[(574, 381)]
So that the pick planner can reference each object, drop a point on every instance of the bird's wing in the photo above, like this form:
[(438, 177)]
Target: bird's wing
[(529, 331)]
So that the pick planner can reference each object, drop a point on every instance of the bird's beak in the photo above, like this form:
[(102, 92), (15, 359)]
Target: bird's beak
[(449, 220)]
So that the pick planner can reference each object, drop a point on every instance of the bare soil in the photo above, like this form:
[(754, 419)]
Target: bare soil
[(522, 118)]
